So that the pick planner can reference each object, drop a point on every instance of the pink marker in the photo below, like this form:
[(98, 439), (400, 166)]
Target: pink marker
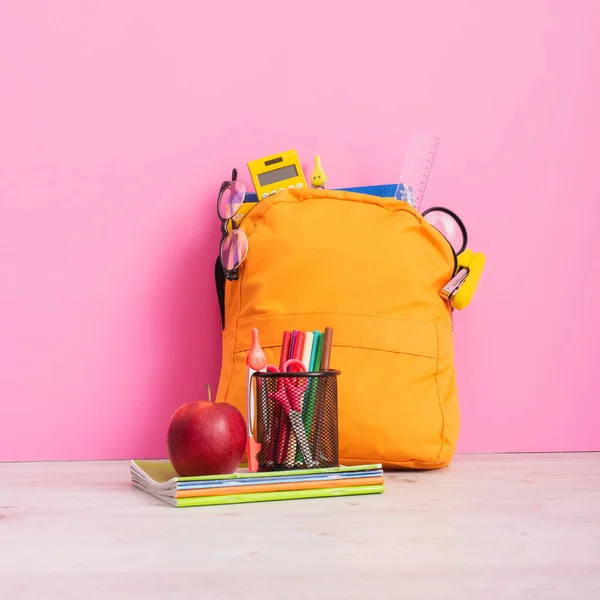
[(256, 361)]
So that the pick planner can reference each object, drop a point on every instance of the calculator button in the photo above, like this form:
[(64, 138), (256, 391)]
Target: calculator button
[(281, 189), (265, 194), (291, 187), (299, 185)]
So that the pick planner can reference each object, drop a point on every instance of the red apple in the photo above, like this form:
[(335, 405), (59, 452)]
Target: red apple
[(206, 438)]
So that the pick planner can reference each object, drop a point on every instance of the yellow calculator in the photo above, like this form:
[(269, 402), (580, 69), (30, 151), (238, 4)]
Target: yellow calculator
[(275, 173)]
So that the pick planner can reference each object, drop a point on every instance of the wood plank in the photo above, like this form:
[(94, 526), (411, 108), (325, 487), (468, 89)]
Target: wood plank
[(489, 526)]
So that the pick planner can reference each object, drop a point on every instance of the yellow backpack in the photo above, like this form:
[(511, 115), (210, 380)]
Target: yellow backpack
[(372, 269)]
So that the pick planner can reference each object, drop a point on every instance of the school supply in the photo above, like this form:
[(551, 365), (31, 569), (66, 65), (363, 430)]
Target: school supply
[(318, 178), (256, 361), (286, 437), (325, 361), (449, 224), (317, 439), (371, 268), (289, 392), (416, 170), (307, 359), (307, 352), (473, 263), (159, 479), (297, 344), (297, 353), (449, 290), (326, 354), (288, 406), (276, 427), (272, 174), (461, 288), (283, 424), (386, 190), (312, 393), (285, 349), (234, 242)]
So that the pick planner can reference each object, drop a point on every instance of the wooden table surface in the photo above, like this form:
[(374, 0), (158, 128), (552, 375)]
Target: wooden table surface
[(489, 526)]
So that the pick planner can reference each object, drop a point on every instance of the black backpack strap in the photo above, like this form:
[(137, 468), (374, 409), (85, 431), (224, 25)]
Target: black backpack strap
[(220, 284)]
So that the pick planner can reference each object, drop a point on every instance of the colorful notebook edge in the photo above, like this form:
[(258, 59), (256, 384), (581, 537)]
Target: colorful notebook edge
[(265, 496)]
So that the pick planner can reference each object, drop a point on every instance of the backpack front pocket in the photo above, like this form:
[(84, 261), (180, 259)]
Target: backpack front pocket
[(390, 407), (390, 410)]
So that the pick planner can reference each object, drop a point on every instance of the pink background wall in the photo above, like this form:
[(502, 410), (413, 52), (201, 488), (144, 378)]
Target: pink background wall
[(119, 120)]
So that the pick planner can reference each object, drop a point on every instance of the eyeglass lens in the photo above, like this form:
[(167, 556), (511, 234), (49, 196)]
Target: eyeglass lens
[(448, 227), (232, 199), (234, 249)]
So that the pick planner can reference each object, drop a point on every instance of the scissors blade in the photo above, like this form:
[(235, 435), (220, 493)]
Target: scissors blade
[(298, 426)]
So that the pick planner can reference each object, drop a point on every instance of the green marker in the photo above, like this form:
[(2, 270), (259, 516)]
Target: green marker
[(311, 368), (312, 391)]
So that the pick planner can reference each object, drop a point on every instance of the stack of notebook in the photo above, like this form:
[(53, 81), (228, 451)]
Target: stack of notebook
[(159, 479)]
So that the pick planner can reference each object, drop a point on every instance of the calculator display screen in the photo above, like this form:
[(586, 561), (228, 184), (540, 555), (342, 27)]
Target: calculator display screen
[(277, 175)]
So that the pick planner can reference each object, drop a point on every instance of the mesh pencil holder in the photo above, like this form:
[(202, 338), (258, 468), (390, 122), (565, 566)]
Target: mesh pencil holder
[(296, 420)]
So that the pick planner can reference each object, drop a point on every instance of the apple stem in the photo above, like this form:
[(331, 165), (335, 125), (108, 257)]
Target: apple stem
[(208, 388)]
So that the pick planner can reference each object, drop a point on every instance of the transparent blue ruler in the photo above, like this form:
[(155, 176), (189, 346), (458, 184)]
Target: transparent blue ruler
[(416, 170)]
